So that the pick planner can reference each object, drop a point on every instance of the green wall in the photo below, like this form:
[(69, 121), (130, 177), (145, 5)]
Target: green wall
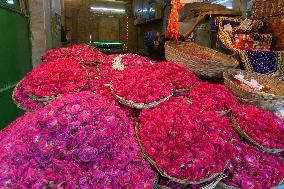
[(15, 58)]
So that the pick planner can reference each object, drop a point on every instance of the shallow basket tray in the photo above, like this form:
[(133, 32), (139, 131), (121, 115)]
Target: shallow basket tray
[(214, 178), (261, 100), (237, 127), (136, 105), (182, 53)]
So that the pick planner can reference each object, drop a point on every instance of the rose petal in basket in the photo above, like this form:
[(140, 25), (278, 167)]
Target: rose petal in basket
[(263, 129), (141, 88), (269, 101), (173, 141)]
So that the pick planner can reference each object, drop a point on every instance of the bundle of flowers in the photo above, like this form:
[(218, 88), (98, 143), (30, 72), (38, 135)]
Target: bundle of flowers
[(212, 97), (262, 128), (140, 88), (185, 144), (251, 168), (57, 53), (80, 140), (181, 78), (86, 54), (120, 62)]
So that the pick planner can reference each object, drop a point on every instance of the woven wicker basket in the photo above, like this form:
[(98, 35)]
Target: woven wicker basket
[(247, 137), (261, 100), (214, 66), (18, 104), (135, 105), (214, 179)]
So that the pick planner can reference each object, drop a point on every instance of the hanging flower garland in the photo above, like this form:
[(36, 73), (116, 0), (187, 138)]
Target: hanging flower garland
[(172, 28), (80, 140)]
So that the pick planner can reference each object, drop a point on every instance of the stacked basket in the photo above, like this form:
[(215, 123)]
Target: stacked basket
[(212, 66), (269, 101)]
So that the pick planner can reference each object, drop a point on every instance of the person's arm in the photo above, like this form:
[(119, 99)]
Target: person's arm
[(192, 27)]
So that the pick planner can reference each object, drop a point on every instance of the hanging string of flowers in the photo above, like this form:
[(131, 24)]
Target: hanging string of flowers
[(172, 29)]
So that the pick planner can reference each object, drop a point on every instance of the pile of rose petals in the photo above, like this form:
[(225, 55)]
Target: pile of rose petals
[(23, 101), (51, 79), (181, 78), (86, 54), (79, 140), (212, 97), (57, 53), (141, 86), (124, 61), (79, 53), (81, 133), (183, 142), (262, 126), (54, 78), (252, 168)]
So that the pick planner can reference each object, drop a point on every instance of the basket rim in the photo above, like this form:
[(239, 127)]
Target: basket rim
[(241, 132), (132, 104)]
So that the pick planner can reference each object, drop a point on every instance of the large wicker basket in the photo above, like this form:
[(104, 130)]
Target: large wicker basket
[(214, 66), (262, 100)]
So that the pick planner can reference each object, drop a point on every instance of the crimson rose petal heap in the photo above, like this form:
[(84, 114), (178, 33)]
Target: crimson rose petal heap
[(79, 53), (262, 128), (184, 144), (181, 78), (212, 97), (23, 101), (140, 88)]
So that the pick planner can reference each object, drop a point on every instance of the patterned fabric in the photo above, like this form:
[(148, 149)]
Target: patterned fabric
[(226, 38), (255, 41), (264, 62)]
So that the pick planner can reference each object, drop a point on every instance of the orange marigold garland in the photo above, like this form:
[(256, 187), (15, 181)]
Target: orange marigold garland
[(172, 29)]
